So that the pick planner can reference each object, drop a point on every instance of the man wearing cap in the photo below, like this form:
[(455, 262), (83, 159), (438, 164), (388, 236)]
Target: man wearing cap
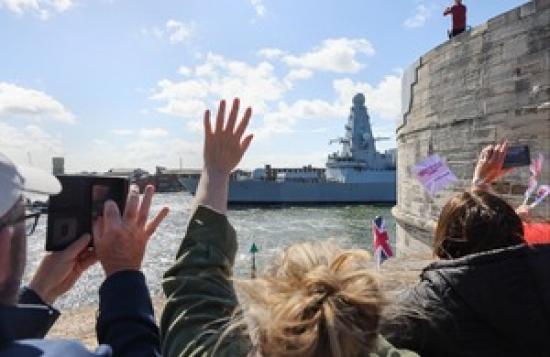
[(125, 321)]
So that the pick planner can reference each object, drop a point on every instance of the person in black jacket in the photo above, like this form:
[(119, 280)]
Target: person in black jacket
[(489, 294), (125, 320)]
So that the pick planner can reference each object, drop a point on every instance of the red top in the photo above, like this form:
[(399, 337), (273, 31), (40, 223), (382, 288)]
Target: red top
[(536, 233), (459, 16)]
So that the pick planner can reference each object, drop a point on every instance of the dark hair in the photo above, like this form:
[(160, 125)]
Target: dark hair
[(473, 222)]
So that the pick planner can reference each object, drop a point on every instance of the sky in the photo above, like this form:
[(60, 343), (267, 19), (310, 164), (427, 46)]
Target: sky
[(124, 83)]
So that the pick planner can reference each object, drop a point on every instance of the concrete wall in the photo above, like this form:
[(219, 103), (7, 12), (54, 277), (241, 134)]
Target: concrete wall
[(484, 85)]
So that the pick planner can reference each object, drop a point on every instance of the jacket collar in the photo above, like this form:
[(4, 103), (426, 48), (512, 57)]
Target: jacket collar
[(483, 257)]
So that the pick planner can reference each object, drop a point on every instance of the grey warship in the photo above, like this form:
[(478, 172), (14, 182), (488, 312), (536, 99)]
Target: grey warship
[(358, 173)]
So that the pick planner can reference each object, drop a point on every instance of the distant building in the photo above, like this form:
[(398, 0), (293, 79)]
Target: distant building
[(58, 166), (180, 172), (127, 172), (392, 153)]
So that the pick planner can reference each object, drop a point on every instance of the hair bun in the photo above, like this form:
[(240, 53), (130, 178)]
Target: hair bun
[(321, 281)]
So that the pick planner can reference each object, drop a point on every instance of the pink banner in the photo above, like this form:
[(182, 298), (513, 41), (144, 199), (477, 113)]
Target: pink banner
[(434, 174)]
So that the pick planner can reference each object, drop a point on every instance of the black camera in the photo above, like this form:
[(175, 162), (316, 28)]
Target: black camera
[(73, 212)]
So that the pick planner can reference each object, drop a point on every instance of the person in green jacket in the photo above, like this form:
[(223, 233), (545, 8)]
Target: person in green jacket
[(315, 300)]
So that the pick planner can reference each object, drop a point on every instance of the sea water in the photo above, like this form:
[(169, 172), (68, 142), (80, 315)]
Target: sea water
[(271, 228)]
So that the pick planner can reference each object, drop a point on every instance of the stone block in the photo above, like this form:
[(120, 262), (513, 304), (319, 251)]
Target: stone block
[(518, 189), (542, 4), (501, 187), (527, 9)]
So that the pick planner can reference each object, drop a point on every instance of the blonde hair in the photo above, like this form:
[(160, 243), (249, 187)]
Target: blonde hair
[(315, 300)]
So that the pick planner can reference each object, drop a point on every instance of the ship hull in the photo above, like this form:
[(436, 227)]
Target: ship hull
[(272, 192)]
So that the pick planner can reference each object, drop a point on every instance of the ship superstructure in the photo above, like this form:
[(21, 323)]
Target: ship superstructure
[(358, 158), (355, 174)]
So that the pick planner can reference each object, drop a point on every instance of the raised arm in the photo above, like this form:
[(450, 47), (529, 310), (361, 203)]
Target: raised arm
[(200, 295), (223, 149), (125, 319)]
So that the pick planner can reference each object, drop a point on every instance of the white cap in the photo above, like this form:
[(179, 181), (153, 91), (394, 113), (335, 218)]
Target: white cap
[(14, 180)]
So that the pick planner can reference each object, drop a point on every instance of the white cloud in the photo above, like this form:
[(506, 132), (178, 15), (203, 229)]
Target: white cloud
[(175, 32), (41, 8), (62, 5), (29, 141), (384, 99), (334, 55), (29, 103), (264, 88), (184, 99), (298, 74), (143, 133), (153, 133), (298, 159), (287, 116), (421, 15), (215, 78), (271, 53), (184, 71), (155, 32), (259, 7), (178, 32), (145, 153), (122, 132)]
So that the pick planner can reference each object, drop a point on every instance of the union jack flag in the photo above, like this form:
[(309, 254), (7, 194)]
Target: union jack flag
[(381, 241)]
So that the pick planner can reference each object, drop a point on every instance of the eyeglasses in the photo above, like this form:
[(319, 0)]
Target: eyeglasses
[(31, 221)]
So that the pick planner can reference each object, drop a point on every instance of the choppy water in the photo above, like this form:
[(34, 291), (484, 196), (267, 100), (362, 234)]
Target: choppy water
[(271, 228)]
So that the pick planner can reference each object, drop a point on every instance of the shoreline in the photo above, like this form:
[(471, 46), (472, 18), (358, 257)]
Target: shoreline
[(396, 275)]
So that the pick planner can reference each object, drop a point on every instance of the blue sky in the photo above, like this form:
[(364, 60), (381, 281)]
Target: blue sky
[(124, 83)]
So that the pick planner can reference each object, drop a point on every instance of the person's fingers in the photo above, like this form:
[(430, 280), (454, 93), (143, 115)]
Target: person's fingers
[(87, 259), (244, 122), (97, 228), (498, 147), (490, 152), (233, 116), (220, 117), (134, 188), (153, 225), (485, 153), (246, 143), (207, 125), (145, 205), (503, 150), (6, 233), (73, 250), (111, 215), (495, 153), (131, 209)]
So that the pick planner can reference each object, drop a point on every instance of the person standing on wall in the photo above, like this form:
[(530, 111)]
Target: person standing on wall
[(458, 11)]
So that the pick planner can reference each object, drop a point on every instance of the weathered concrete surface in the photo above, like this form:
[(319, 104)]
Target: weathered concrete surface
[(484, 85)]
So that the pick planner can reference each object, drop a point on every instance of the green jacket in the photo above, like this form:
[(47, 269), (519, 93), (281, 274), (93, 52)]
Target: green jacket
[(201, 297)]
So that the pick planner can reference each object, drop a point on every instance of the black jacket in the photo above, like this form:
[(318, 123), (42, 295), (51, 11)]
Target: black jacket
[(125, 323), (489, 304)]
